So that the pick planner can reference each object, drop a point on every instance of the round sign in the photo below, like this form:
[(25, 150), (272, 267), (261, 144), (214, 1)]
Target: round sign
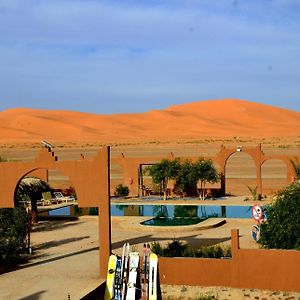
[(255, 233), (257, 212)]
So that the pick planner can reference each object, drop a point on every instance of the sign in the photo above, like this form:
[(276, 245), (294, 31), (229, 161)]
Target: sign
[(256, 232), (257, 212)]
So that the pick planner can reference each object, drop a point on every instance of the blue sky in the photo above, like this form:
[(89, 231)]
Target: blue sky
[(119, 56)]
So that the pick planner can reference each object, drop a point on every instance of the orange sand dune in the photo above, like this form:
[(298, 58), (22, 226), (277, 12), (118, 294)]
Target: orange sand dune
[(214, 118)]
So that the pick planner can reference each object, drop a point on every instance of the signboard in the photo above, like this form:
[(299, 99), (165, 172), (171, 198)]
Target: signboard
[(257, 212), (255, 232)]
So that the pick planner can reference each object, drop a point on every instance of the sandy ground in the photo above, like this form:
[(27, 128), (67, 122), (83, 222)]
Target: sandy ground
[(65, 258)]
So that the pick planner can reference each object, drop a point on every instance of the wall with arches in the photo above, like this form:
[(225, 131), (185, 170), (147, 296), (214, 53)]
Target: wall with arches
[(131, 166), (91, 179)]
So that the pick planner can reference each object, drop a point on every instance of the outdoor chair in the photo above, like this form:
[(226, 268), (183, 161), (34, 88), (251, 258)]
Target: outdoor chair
[(48, 199), (61, 198)]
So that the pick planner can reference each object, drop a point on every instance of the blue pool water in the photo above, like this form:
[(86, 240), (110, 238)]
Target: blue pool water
[(169, 211)]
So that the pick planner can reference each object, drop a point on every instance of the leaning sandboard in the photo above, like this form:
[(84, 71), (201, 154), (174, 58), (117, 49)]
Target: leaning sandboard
[(132, 278), (118, 279), (124, 269), (153, 277), (145, 272), (110, 278)]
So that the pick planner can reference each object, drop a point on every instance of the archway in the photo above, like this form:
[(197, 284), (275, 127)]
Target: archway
[(274, 175), (240, 173)]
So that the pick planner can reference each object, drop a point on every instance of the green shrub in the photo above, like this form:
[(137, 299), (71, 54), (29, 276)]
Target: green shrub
[(13, 234), (122, 190), (178, 249), (282, 228)]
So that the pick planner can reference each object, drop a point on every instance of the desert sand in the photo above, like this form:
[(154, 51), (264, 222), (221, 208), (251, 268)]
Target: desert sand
[(213, 119)]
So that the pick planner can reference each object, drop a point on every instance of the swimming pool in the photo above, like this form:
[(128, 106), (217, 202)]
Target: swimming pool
[(168, 211)]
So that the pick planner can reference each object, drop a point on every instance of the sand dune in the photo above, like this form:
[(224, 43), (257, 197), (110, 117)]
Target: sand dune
[(214, 118)]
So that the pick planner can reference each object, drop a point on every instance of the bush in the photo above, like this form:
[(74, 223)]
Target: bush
[(178, 249), (13, 234), (122, 190), (282, 228)]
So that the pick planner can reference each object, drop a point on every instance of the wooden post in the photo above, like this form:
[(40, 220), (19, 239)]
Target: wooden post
[(104, 213)]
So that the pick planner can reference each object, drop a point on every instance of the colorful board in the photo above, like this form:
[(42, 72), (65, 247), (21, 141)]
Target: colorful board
[(153, 276), (110, 278), (145, 272), (124, 269), (118, 279), (132, 278)]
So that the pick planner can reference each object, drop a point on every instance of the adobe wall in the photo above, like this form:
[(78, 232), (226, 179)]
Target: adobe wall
[(90, 177), (130, 166), (248, 268)]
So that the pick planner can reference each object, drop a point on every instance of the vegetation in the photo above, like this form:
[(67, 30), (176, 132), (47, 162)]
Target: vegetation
[(179, 249), (186, 175), (122, 190), (13, 234), (253, 192), (296, 167), (206, 173), (282, 228), (30, 189), (186, 179), (162, 172)]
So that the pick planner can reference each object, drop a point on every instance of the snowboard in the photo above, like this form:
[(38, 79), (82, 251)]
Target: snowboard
[(110, 278), (132, 278), (153, 276)]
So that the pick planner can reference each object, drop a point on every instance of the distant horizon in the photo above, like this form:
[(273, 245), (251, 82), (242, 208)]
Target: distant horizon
[(287, 106)]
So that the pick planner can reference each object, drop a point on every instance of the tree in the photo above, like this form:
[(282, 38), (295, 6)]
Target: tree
[(162, 172), (206, 173), (31, 188), (282, 228), (186, 179)]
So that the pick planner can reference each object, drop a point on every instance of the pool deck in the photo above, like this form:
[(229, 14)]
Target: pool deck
[(223, 201)]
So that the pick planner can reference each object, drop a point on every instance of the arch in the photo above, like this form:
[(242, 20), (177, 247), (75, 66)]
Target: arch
[(238, 178), (19, 181), (274, 175)]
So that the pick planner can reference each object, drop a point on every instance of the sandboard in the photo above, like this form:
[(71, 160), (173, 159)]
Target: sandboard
[(145, 272), (118, 279), (153, 277), (124, 269), (110, 278), (132, 278)]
